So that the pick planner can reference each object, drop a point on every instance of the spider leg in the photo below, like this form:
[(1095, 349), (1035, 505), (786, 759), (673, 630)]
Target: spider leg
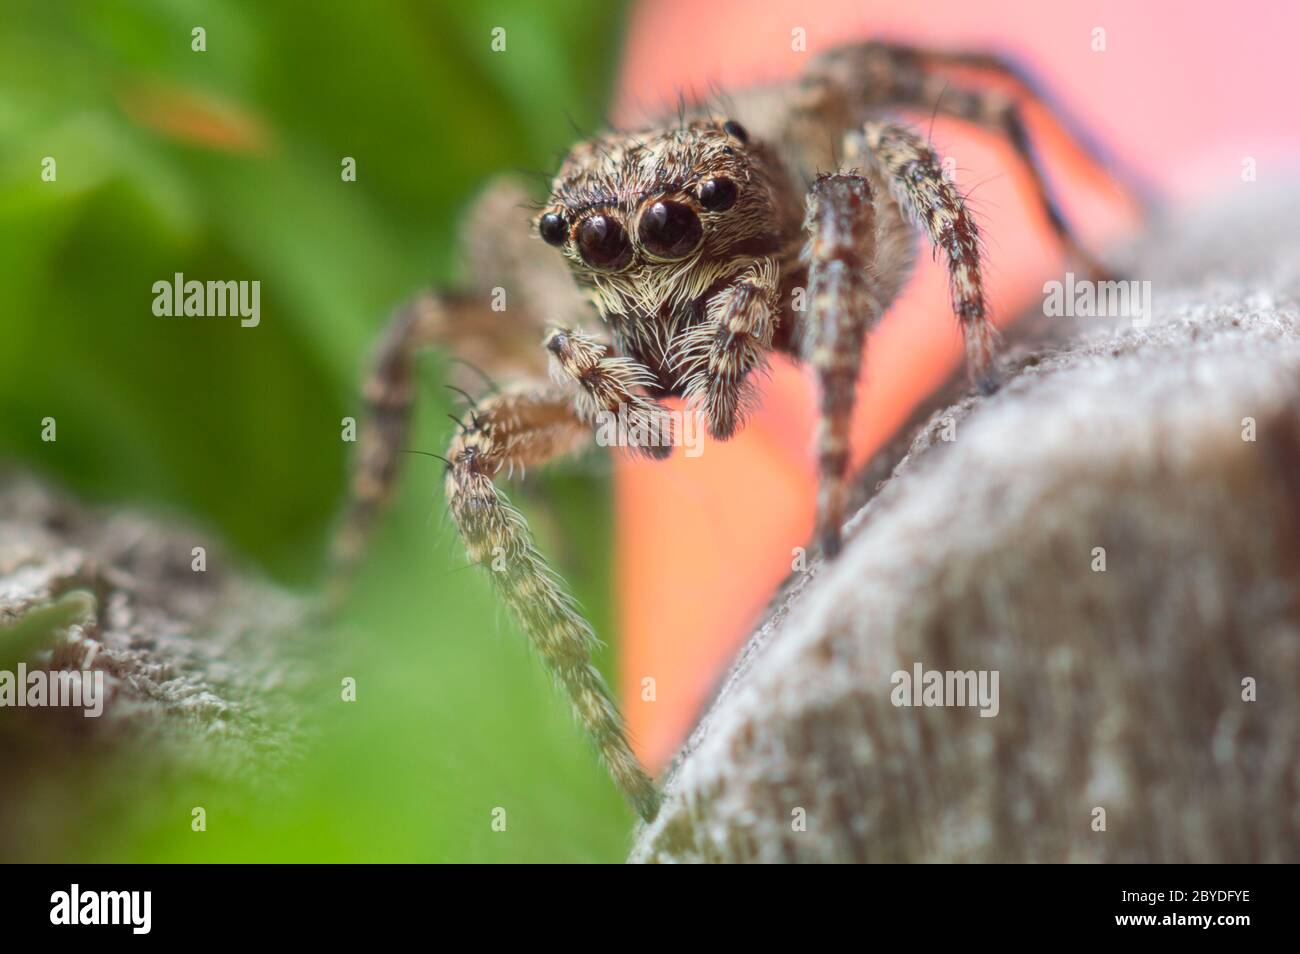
[(486, 323), (853, 84), (611, 388), (387, 394), (912, 170), (994, 110), (841, 229), (1025, 87), (526, 428), (716, 356)]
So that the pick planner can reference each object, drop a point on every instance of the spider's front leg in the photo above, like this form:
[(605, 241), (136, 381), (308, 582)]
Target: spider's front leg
[(718, 355), (841, 253), (841, 227), (612, 385), (523, 429)]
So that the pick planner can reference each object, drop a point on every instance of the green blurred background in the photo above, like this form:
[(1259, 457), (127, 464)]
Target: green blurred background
[(226, 164)]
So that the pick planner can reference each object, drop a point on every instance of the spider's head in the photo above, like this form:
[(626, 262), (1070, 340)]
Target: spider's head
[(652, 220)]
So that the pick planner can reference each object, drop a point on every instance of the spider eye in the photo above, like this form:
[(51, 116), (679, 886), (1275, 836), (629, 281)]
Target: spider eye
[(553, 229), (603, 243), (717, 195), (735, 130), (669, 229)]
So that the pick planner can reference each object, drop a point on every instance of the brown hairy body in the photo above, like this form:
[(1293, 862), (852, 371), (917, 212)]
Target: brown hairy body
[(681, 256)]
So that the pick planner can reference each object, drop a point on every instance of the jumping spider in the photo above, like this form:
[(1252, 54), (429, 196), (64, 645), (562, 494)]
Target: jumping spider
[(692, 242)]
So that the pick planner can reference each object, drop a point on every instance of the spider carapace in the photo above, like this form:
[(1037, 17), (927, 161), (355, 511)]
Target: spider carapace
[(673, 261)]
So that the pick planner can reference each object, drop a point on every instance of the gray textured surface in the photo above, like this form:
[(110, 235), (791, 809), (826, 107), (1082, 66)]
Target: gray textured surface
[(196, 664), (1119, 689)]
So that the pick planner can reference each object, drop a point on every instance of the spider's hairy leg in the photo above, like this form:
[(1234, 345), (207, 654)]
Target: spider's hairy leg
[(485, 338), (388, 394), (907, 163), (526, 428), (853, 84), (841, 245), (718, 355), (485, 323), (994, 110), (611, 387), (1024, 87)]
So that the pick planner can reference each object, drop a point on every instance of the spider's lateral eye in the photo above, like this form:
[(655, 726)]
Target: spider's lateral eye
[(603, 242), (717, 194), (670, 229), (553, 229), (735, 130)]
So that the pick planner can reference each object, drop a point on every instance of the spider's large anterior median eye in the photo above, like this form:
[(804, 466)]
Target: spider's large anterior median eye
[(717, 194), (553, 229), (669, 229), (603, 242)]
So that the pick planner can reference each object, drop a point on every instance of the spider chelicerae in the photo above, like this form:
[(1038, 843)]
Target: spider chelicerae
[(671, 261)]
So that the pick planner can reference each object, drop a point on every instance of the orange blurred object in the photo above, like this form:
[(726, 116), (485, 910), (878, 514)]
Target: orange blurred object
[(195, 117), (704, 541)]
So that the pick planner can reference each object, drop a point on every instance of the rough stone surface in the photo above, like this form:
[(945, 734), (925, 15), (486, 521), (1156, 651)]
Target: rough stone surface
[(1119, 689)]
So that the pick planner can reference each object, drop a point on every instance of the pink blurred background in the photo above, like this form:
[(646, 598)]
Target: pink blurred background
[(1183, 92)]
